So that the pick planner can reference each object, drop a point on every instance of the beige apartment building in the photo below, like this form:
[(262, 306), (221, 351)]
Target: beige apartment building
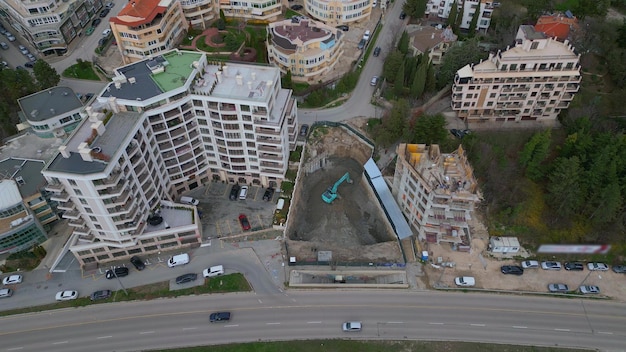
[(265, 10), (144, 28), (437, 193), (532, 81), (199, 13), (338, 12), (307, 48)]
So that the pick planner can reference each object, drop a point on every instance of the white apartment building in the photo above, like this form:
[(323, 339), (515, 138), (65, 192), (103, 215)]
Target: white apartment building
[(52, 112), (49, 25), (264, 10), (198, 13), (307, 48), (164, 126), (532, 81), (337, 12), (437, 193), (441, 9)]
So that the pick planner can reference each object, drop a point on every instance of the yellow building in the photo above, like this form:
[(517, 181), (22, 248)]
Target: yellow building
[(264, 10), (199, 13), (148, 27), (337, 12)]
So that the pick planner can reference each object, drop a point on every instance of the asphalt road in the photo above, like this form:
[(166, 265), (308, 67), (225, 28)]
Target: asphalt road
[(385, 314)]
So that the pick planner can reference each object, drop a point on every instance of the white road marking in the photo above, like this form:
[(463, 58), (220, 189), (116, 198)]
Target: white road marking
[(477, 324), (231, 326), (146, 332), (15, 348), (59, 343), (519, 327), (395, 322), (260, 301), (272, 323), (104, 337), (313, 322), (189, 329), (561, 330), (435, 323), (605, 332)]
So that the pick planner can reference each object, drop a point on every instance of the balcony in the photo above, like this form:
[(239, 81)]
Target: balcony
[(84, 231), (112, 180), (277, 150), (77, 223), (122, 199), (66, 206), (267, 131), (61, 197), (55, 187), (270, 157), (72, 215), (268, 140)]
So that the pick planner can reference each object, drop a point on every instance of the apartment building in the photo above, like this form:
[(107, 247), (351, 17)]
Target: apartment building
[(307, 48), (198, 13), (532, 81), (263, 10), (49, 25), (164, 126), (441, 9), (52, 112), (148, 27), (437, 193), (337, 12)]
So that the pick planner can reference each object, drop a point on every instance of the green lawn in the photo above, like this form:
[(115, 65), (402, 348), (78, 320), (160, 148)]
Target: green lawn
[(81, 71), (367, 346)]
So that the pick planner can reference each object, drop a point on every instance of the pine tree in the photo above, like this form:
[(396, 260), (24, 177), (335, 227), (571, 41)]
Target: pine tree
[(474, 23), (453, 13), (398, 87)]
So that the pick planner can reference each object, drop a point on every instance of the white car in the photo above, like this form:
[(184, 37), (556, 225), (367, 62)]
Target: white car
[(465, 281), (366, 36), (585, 289), (213, 271), (6, 293), (597, 266), (530, 264), (106, 32), (12, 280), (550, 265), (351, 326), (66, 295)]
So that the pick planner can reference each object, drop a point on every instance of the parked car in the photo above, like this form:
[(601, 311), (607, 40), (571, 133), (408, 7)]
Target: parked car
[(234, 192), (4, 45), (10, 37), (106, 32), (12, 280), (459, 133), (597, 266), (104, 12), (102, 294), (136, 261), (550, 265), (366, 35), (361, 44), (183, 279), (558, 288), (620, 269), (23, 50), (530, 264), (304, 129), (585, 289), (6, 293), (213, 271), (402, 15), (376, 51), (117, 272), (109, 5), (29, 64), (243, 220), (512, 269), (296, 7), (243, 193), (95, 22), (31, 57), (343, 27), (219, 317), (66, 295), (268, 195), (574, 266), (351, 326), (374, 81), (465, 281)]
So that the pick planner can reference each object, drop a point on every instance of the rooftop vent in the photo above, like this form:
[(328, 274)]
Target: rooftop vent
[(20, 180), (65, 93), (132, 80), (34, 113), (52, 111)]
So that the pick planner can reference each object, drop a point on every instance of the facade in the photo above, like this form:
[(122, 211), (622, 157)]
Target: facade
[(19, 228), (436, 192), (198, 13), (144, 28), (307, 48), (263, 10), (338, 12), (441, 9), (435, 41), (532, 81), (52, 112), (50, 25), (162, 127)]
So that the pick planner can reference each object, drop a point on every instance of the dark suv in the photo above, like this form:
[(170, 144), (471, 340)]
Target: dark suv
[(377, 51), (219, 317), (119, 272), (137, 262), (102, 294), (269, 193), (574, 266), (512, 269), (183, 279), (234, 192)]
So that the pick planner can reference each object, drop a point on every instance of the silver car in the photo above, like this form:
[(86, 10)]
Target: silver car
[(597, 266), (351, 326), (585, 289), (530, 264), (550, 265), (558, 288)]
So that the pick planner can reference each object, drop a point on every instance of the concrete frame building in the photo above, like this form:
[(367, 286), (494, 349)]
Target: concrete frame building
[(436, 192), (264, 10), (307, 48), (441, 9), (145, 28), (337, 12), (52, 112), (532, 81), (50, 25), (162, 127)]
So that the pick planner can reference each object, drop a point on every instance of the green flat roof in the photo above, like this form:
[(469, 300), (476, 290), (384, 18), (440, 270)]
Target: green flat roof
[(178, 70)]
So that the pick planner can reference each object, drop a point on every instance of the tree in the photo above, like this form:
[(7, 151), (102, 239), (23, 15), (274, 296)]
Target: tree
[(454, 11), (429, 129), (392, 64), (419, 82), (394, 125), (474, 22), (456, 57), (14, 84), (403, 43), (458, 22), (586, 8), (398, 85), (535, 151), (45, 74), (415, 8), (565, 193), (431, 81), (286, 81)]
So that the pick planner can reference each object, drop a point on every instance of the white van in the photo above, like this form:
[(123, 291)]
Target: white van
[(189, 200), (243, 193), (280, 204), (177, 260), (213, 271)]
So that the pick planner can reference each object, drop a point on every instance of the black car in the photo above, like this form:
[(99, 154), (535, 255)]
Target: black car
[(95, 22), (137, 262), (269, 193), (104, 13), (402, 15), (377, 51), (343, 27), (512, 269), (304, 130), (296, 7), (183, 279), (117, 272), (574, 266), (219, 317), (234, 192), (620, 269), (29, 64), (102, 294)]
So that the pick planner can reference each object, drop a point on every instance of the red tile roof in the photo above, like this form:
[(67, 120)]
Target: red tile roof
[(556, 25), (138, 12)]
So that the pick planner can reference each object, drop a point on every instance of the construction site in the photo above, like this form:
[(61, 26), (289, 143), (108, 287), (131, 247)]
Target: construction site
[(335, 216)]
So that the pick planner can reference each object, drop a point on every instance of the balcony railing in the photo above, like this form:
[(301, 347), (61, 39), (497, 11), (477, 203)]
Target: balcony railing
[(61, 197)]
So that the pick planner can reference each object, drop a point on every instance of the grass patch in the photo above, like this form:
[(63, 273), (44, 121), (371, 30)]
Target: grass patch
[(295, 155), (368, 346), (82, 70), (222, 284), (291, 13)]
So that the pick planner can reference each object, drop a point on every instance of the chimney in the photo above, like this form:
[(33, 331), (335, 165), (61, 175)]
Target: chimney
[(218, 75), (132, 80), (113, 105), (250, 85), (253, 74), (85, 151), (269, 83), (239, 80), (64, 152), (52, 111), (225, 70)]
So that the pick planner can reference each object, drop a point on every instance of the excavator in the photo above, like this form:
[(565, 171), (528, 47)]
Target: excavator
[(331, 193)]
